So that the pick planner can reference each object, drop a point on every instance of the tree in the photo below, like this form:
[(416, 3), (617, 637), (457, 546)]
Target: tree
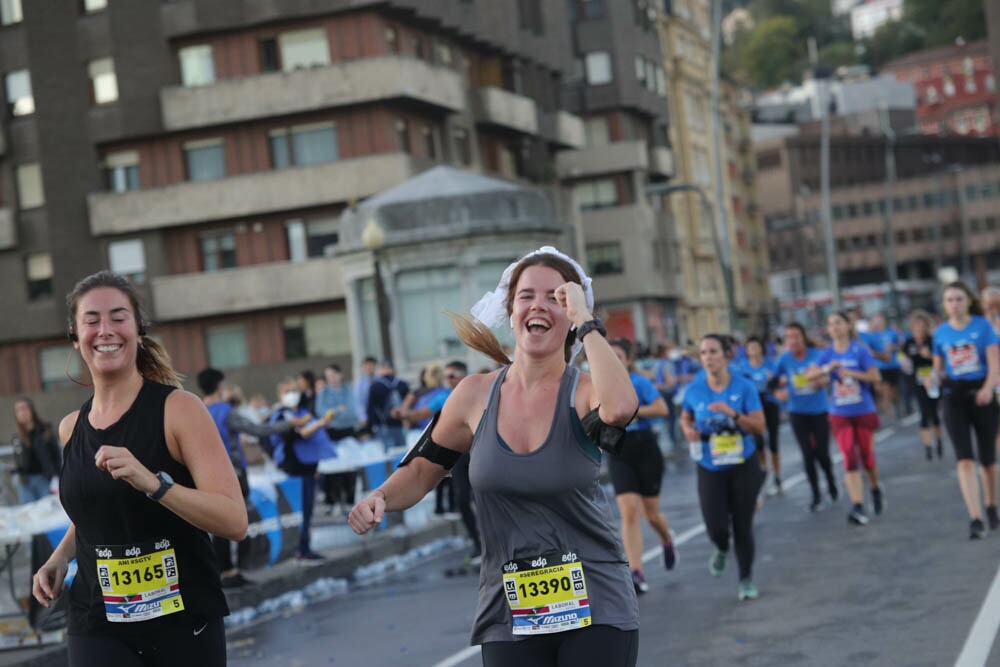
[(892, 40), (946, 21), (774, 51)]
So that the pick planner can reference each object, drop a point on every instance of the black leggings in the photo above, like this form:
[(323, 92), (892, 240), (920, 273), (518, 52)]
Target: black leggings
[(813, 435), (172, 644), (729, 496), (928, 409), (962, 416), (772, 417), (594, 646), (463, 498)]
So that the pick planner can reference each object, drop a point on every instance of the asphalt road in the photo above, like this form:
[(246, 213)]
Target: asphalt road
[(905, 590)]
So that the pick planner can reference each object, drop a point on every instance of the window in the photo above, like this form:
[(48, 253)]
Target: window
[(430, 145), (588, 9), (530, 16), (418, 48), (403, 135), (463, 148), (129, 259), (970, 84), (867, 208), (852, 211), (597, 131), (444, 54), (90, 6), (605, 259), (918, 235), (911, 203), (38, 271), (901, 237), (304, 145), (598, 68), (841, 245), (311, 239), (104, 83), (121, 171), (640, 70), (301, 49), (218, 252), (205, 160), (424, 292), (949, 86), (661, 81), (321, 334), (53, 366), (30, 193), (197, 65), (10, 12), (392, 40), (227, 346), (970, 192), (269, 59), (838, 211), (597, 194), (20, 100)]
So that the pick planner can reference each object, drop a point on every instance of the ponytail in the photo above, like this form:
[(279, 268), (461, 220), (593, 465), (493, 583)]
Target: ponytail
[(479, 337), (154, 363)]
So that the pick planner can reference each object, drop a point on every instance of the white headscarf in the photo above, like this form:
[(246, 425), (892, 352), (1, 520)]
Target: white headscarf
[(491, 309)]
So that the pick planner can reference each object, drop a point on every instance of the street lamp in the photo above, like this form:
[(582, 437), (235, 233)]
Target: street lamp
[(373, 236)]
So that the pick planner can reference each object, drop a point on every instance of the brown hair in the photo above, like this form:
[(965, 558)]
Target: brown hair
[(151, 360), (924, 317), (975, 308), (39, 425), (481, 338), (625, 345), (842, 314), (802, 330)]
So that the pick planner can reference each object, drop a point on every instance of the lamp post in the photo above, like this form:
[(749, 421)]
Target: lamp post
[(373, 236), (727, 269)]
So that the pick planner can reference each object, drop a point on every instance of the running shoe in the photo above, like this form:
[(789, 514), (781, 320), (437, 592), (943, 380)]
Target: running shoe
[(940, 450), (669, 555), (717, 563), (992, 518), (977, 530), (834, 493), (475, 557), (235, 581), (311, 558), (816, 505), (857, 516), (878, 501), (639, 581), (747, 590)]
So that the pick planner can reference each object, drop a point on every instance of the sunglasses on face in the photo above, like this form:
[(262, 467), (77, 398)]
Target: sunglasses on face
[(453, 376)]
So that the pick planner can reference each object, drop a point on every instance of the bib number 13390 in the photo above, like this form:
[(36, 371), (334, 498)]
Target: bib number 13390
[(546, 594)]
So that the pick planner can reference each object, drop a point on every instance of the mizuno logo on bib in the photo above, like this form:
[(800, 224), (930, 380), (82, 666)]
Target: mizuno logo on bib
[(139, 581)]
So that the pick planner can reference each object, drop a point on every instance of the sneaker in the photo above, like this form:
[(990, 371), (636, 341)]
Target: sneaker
[(717, 563), (940, 450), (834, 493), (747, 590), (992, 518), (977, 530), (816, 506), (669, 555), (311, 558), (639, 581), (878, 501), (236, 581), (857, 516), (930, 453)]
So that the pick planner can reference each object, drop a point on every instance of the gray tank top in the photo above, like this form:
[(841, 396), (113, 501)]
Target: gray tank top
[(545, 501)]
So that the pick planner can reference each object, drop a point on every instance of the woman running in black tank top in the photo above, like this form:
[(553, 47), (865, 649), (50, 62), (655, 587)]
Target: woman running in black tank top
[(145, 478)]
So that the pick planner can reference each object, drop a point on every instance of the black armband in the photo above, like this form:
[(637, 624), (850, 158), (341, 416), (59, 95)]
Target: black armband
[(607, 437), (430, 450)]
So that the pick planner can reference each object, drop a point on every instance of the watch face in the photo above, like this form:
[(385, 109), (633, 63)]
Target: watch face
[(165, 478)]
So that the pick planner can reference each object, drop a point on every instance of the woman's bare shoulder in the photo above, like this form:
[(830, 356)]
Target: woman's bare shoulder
[(67, 425)]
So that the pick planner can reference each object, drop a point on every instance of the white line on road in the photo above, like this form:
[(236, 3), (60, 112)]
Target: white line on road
[(978, 644), (460, 657)]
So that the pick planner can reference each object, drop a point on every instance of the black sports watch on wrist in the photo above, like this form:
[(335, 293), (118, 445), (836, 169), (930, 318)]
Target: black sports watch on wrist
[(166, 481), (591, 325)]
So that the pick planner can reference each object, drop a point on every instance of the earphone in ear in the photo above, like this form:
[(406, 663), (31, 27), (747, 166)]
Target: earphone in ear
[(142, 330), (73, 337)]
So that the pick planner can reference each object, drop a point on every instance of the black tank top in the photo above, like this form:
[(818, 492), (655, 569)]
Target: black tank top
[(106, 511)]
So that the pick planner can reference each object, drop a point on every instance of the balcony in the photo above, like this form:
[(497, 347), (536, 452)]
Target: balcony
[(496, 106), (282, 93), (8, 229), (246, 194), (606, 159), (246, 289), (661, 161), (563, 129)]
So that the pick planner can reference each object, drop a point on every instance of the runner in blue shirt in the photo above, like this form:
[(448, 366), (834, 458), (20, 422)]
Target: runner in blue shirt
[(885, 342), (757, 368), (966, 356), (807, 409), (722, 413), (849, 369), (637, 473)]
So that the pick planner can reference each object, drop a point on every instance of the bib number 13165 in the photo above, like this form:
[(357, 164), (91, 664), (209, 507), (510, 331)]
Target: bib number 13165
[(139, 581)]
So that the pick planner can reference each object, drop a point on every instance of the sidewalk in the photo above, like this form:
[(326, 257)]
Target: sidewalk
[(285, 576)]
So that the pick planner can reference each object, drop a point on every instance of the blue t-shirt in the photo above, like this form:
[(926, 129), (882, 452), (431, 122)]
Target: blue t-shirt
[(759, 376), (881, 341), (803, 397), (848, 396), (647, 394), (964, 352), (723, 444), (436, 404)]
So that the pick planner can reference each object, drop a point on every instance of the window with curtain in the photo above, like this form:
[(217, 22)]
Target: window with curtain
[(30, 193), (90, 6), (10, 12), (303, 145), (605, 258), (53, 369), (197, 65), (20, 100), (121, 171), (598, 68), (104, 83), (205, 160), (423, 296), (319, 334), (218, 252), (303, 49), (226, 346), (38, 272), (129, 259), (596, 194)]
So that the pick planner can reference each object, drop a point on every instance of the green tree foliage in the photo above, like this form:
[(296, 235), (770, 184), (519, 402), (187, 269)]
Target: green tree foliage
[(773, 51)]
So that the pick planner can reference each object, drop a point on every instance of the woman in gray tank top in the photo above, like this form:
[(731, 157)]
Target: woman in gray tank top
[(555, 588)]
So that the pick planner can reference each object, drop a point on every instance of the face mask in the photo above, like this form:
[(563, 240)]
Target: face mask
[(290, 399), (674, 355)]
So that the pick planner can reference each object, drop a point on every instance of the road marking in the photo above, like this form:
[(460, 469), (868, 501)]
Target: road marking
[(687, 536), (978, 644)]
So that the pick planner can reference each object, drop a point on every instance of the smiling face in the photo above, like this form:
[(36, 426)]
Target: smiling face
[(540, 323), (107, 329)]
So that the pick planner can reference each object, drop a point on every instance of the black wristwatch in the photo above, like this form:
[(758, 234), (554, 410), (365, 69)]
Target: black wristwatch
[(166, 481), (591, 325)]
